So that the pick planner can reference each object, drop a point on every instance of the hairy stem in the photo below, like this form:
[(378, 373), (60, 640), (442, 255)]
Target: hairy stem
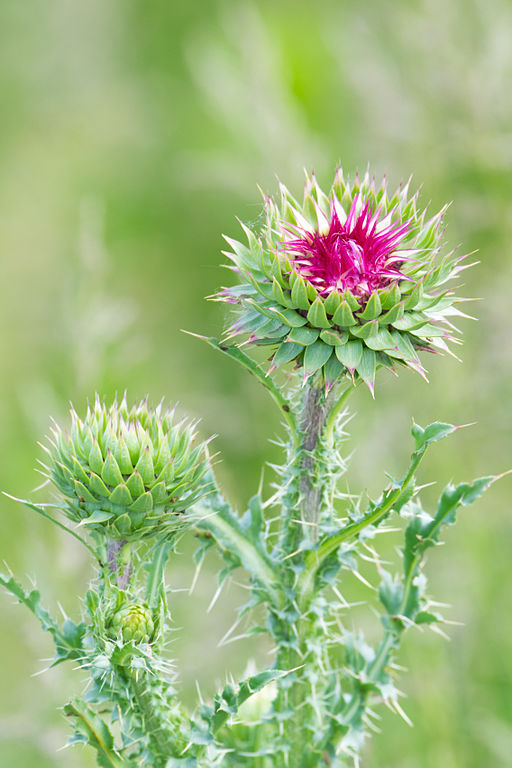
[(118, 559), (314, 411), (159, 736), (313, 466)]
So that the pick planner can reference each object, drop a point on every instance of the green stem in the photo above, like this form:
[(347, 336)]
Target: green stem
[(158, 735), (119, 561), (316, 472), (315, 408)]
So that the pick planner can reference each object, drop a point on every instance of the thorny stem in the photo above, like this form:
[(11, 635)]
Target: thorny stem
[(118, 559), (314, 411), (317, 421), (152, 721)]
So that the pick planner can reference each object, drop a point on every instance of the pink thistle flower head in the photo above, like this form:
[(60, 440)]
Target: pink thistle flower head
[(361, 254), (345, 282)]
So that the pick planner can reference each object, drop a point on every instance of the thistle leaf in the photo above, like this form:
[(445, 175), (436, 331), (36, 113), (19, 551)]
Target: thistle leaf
[(97, 733)]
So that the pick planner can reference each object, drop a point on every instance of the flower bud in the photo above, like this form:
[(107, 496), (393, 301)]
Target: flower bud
[(128, 473), (132, 624), (346, 282)]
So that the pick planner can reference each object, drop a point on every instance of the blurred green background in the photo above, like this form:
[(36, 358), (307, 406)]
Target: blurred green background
[(131, 135)]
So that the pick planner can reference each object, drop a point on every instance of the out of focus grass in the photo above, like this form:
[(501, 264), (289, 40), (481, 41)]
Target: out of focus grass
[(131, 135)]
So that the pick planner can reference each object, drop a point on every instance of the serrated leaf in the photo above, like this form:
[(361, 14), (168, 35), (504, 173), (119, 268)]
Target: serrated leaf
[(431, 434), (423, 530), (252, 521), (230, 699), (68, 640), (97, 733), (391, 593), (237, 549)]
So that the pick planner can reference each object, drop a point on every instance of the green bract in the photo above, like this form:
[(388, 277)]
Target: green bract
[(133, 623), (128, 473), (346, 281)]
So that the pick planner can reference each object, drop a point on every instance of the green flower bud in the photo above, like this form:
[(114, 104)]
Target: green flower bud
[(132, 624), (129, 473)]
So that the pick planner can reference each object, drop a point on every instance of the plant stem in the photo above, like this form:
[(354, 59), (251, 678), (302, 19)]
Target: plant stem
[(314, 411), (161, 739), (313, 467), (118, 559)]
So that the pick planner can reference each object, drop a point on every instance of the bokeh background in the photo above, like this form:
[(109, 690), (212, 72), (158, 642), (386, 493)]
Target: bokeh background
[(131, 135)]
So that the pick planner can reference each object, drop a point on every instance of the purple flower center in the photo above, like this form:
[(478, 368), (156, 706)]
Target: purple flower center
[(360, 255)]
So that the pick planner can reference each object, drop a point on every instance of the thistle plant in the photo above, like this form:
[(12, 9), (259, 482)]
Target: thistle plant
[(334, 289)]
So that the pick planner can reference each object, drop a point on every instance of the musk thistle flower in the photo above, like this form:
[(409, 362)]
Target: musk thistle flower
[(346, 282), (132, 623), (128, 473)]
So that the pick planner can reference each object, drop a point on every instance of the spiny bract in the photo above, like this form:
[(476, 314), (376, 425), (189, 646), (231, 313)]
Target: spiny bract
[(346, 282), (129, 473)]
